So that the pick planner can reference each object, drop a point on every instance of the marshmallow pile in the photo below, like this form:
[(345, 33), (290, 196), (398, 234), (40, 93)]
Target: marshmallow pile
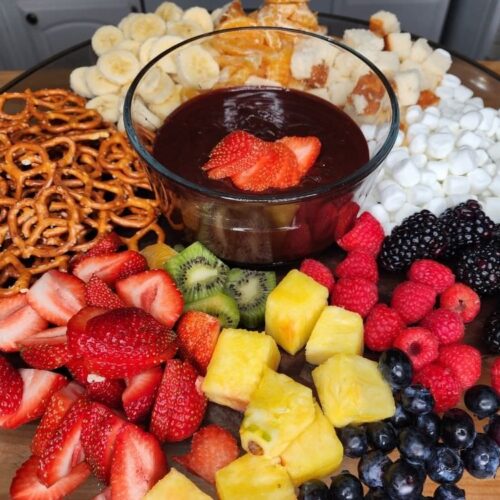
[(449, 153)]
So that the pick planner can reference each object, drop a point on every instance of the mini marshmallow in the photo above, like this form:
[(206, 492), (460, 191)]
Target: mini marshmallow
[(495, 185), (415, 129), (479, 180), (372, 148), (456, 199), (491, 206), (450, 80), (451, 125), (395, 156), (430, 119), (456, 184), (468, 108), (405, 211), (477, 102), (407, 85), (420, 194), (445, 92), (388, 227), (470, 139), (385, 183), (406, 174), (433, 110), (439, 169), (438, 62), (380, 213), (486, 143), (399, 139), (439, 146), (369, 130), (481, 157), (428, 177), (382, 132), (494, 127), (420, 50), (392, 198), (400, 43), (413, 114), (437, 206), (462, 93), (383, 22), (420, 160), (471, 120), (491, 169), (494, 151), (487, 117), (462, 161), (418, 144)]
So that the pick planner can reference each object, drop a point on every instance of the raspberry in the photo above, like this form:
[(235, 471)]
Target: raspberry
[(421, 345), (366, 235), (413, 301), (443, 385), (382, 326), (431, 273), (495, 375), (355, 294), (358, 264), (445, 324), (461, 299), (463, 361), (318, 272)]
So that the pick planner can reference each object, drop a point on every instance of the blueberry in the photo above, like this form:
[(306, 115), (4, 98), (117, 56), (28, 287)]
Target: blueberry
[(345, 486), (417, 399), (493, 429), (444, 465), (403, 481), (396, 368), (401, 418), (481, 400), (449, 492), (371, 466), (414, 446), (314, 490), (429, 424), (457, 429), (376, 494), (353, 440), (381, 436), (482, 459)]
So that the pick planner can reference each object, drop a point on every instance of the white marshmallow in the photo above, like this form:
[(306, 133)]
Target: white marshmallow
[(450, 80), (430, 119), (388, 227), (392, 198), (420, 50), (420, 160), (495, 185), (469, 107), (471, 120), (451, 125), (369, 130), (479, 180), (428, 178), (380, 213), (481, 157), (456, 184), (437, 206), (385, 183), (433, 110), (406, 174), (420, 194), (494, 151), (462, 161), (372, 148), (414, 114), (477, 102), (439, 169), (491, 206), (439, 146), (456, 199), (405, 211), (462, 93), (399, 43), (444, 92), (395, 156), (382, 131), (486, 142), (491, 169), (470, 139), (399, 139), (418, 144), (494, 127), (415, 129)]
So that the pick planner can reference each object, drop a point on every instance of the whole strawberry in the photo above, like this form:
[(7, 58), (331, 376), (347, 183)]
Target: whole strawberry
[(413, 301), (318, 272), (445, 324), (463, 361), (367, 235), (382, 326), (421, 346), (355, 294), (495, 375), (431, 273), (461, 299), (358, 264)]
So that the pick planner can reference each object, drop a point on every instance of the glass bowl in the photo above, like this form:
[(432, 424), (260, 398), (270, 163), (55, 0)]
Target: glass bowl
[(248, 228)]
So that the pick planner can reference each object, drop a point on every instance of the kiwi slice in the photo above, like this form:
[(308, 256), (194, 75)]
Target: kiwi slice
[(250, 290), (219, 305), (197, 272)]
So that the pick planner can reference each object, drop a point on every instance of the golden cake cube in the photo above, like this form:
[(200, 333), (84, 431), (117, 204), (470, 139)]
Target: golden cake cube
[(175, 485)]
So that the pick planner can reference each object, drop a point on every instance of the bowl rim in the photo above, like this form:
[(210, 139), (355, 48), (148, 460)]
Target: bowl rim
[(275, 198)]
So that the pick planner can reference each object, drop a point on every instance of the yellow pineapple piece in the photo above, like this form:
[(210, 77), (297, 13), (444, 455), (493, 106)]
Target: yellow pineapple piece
[(315, 453), (293, 308), (157, 254), (337, 331), (351, 390), (236, 366), (175, 486), (278, 411), (254, 478)]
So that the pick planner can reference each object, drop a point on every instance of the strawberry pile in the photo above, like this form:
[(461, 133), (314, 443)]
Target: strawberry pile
[(256, 165), (135, 382)]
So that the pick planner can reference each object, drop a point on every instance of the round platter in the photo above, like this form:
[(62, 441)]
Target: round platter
[(54, 72)]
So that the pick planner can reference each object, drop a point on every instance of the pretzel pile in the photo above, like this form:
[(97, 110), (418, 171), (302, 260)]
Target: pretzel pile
[(66, 178)]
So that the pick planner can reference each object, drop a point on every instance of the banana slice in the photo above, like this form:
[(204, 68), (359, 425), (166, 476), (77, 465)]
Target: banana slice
[(130, 46), (118, 66), (163, 109), (145, 50), (78, 82), (169, 11), (196, 67), (145, 26), (200, 16), (184, 28), (143, 116), (107, 105), (98, 84), (106, 38), (125, 23), (163, 43), (155, 86)]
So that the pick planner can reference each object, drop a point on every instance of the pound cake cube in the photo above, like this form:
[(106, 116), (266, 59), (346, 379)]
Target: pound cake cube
[(438, 63), (420, 50), (175, 485), (399, 43), (383, 22), (407, 85)]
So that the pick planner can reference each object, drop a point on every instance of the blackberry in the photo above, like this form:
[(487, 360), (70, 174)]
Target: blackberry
[(466, 224), (419, 236), (479, 267), (492, 332)]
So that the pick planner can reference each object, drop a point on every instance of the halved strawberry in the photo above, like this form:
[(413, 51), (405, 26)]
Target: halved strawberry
[(38, 387), (212, 448), (64, 450), (155, 292), (18, 321), (58, 407), (233, 154), (57, 296), (11, 388), (112, 267), (306, 150), (139, 396), (99, 294), (180, 405), (107, 244), (47, 350), (76, 328), (197, 334), (27, 486), (138, 463), (100, 429)]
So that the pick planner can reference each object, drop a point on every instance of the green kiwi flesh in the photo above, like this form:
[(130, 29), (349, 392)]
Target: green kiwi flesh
[(219, 305), (197, 272), (250, 290)]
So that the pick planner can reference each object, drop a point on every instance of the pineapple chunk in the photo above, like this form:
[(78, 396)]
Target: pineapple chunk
[(337, 331), (279, 410), (351, 390), (236, 366), (176, 486), (316, 453), (254, 478), (293, 308)]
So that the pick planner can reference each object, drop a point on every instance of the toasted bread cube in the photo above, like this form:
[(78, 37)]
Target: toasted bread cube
[(361, 38), (339, 91), (388, 63), (175, 485), (236, 366), (438, 62), (383, 22), (407, 85), (399, 43), (420, 50)]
